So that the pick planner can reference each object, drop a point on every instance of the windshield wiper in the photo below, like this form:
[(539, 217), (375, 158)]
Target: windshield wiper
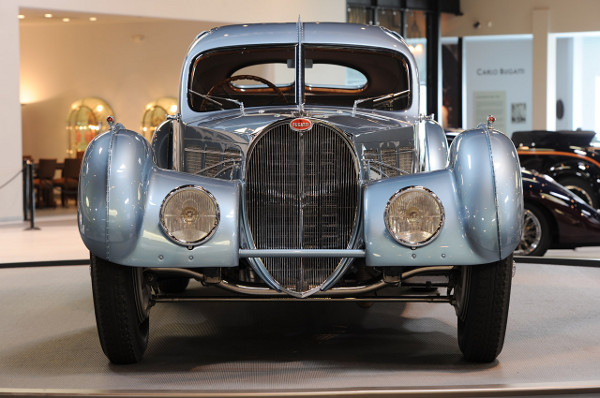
[(379, 99), (213, 101)]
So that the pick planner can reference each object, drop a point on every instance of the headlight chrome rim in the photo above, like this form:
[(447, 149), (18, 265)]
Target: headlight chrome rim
[(192, 243), (434, 235)]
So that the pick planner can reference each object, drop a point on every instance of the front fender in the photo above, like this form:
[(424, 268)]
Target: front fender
[(481, 192), (113, 191), (121, 191), (486, 166)]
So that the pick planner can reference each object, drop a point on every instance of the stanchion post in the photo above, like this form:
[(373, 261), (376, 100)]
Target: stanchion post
[(31, 196), (25, 191)]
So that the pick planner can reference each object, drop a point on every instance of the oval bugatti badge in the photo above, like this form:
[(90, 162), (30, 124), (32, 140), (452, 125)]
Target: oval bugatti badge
[(300, 124)]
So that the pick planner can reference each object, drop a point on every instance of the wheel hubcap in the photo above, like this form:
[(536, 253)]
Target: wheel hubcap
[(532, 234)]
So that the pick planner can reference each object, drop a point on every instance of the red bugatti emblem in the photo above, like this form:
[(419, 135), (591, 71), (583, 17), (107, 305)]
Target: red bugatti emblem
[(300, 124)]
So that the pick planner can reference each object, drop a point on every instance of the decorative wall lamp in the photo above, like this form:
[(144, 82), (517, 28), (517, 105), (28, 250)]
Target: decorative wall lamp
[(156, 112), (86, 119)]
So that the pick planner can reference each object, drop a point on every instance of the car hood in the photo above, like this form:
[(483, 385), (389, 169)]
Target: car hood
[(242, 128)]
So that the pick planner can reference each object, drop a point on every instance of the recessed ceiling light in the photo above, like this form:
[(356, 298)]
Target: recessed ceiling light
[(48, 15), (93, 19), (21, 16), (66, 20)]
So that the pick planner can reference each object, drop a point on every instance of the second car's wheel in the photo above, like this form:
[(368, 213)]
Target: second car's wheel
[(122, 303), (536, 237), (173, 285), (482, 297), (580, 188)]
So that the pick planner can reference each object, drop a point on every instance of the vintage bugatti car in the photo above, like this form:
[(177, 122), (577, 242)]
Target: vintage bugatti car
[(554, 217), (572, 158), (299, 168)]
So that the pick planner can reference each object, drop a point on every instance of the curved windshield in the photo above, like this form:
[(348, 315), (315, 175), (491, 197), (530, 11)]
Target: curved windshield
[(265, 76)]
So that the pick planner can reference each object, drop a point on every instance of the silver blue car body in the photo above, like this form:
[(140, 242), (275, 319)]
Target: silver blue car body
[(299, 167), (125, 179)]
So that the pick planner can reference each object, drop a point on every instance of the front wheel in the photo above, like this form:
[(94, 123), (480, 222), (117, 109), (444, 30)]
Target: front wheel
[(122, 302), (482, 296)]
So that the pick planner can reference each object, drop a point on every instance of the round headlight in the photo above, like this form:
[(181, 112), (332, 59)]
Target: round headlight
[(189, 215), (414, 216)]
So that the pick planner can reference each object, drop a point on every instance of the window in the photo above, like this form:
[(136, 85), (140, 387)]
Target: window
[(265, 76)]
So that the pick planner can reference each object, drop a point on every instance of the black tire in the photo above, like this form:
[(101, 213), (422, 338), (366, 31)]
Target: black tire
[(121, 302), (482, 299), (537, 235), (581, 188), (173, 285)]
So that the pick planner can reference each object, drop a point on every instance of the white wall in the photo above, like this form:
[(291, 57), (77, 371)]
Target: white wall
[(565, 81), (221, 11), (495, 17), (515, 17), (10, 113), (52, 82), (590, 71), (62, 63), (540, 18), (497, 76)]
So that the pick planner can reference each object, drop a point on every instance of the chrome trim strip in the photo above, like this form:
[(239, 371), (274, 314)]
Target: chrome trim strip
[(338, 292), (426, 270), (217, 299), (306, 253), (208, 152), (334, 292), (178, 144), (299, 94), (233, 163), (368, 165)]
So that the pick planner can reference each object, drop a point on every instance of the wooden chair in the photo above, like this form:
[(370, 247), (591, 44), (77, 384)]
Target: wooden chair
[(43, 183), (69, 181)]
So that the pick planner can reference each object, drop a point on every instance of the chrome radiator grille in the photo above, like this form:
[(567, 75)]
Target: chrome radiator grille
[(301, 193), (388, 162), (213, 162)]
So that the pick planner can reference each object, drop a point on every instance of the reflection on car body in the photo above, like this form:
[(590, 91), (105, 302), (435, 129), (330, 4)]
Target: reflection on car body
[(300, 168)]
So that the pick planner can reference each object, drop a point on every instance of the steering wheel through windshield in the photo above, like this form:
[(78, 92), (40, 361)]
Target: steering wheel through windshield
[(230, 79)]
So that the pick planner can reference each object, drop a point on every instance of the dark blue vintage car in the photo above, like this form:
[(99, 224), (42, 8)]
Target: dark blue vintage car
[(554, 217), (572, 158)]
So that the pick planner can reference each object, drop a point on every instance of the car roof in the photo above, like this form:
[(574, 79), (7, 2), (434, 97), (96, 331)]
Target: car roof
[(330, 33), (334, 34)]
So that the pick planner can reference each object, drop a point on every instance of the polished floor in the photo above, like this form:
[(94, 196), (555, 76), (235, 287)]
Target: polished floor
[(49, 344), (55, 237)]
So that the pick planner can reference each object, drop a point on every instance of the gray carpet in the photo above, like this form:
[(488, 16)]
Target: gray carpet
[(48, 340)]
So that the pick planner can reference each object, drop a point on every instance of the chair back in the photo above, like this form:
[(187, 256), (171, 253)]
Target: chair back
[(46, 169), (71, 168)]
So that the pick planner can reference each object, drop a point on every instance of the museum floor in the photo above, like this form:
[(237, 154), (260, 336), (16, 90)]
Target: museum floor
[(49, 345)]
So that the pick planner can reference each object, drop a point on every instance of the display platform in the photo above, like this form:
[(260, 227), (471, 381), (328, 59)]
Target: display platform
[(49, 345)]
